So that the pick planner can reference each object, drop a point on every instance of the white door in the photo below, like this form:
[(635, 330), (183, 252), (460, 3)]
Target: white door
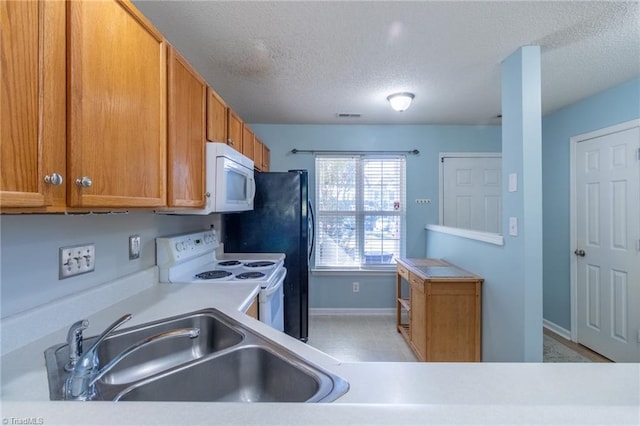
[(607, 250), (472, 193)]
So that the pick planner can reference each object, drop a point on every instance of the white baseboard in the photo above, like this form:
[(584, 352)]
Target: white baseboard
[(561, 331), (352, 311)]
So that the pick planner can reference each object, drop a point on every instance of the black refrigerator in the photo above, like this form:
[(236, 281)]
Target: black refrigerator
[(281, 222)]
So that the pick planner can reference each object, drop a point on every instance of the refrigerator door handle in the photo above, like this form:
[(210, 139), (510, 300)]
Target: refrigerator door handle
[(313, 230)]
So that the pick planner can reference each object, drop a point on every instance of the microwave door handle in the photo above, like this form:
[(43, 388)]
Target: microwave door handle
[(252, 187)]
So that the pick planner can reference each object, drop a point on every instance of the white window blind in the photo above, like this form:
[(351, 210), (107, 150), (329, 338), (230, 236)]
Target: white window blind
[(360, 211)]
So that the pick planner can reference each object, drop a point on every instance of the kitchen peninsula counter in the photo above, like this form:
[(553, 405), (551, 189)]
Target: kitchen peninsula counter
[(380, 393)]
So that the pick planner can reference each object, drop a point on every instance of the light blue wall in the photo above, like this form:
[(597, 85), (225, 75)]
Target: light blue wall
[(512, 290), (422, 182), (613, 106), (29, 251)]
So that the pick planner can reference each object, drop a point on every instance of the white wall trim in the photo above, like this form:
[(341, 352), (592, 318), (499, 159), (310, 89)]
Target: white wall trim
[(560, 331), (486, 237), (351, 311), (573, 233)]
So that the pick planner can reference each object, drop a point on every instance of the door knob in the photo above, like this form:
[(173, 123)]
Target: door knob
[(579, 252), (84, 182)]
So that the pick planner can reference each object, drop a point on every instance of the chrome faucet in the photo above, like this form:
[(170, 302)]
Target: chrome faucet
[(74, 340), (80, 385)]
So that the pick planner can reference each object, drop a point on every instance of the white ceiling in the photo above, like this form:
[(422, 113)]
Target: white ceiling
[(304, 62)]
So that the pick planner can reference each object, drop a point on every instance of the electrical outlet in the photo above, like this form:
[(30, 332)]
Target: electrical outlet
[(76, 260), (423, 200), (356, 287), (134, 247)]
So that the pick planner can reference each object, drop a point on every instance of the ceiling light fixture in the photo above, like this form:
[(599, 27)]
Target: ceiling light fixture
[(400, 101)]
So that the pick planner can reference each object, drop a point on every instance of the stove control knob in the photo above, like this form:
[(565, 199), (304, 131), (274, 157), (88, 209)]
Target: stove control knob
[(179, 246)]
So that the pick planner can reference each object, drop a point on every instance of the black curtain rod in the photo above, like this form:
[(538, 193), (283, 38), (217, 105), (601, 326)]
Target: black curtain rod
[(326, 151)]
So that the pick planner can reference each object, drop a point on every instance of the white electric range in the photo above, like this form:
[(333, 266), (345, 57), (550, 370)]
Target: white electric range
[(192, 258)]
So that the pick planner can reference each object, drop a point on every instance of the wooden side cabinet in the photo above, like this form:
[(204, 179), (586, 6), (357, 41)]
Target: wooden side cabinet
[(441, 313), (252, 311)]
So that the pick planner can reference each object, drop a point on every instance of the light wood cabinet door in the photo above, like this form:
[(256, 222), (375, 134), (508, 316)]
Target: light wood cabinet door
[(32, 110), (187, 96), (216, 117), (252, 311), (117, 91), (257, 153), (266, 158), (247, 141), (418, 322), (234, 130)]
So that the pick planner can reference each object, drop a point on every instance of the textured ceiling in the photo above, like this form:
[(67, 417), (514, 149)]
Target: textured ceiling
[(305, 62)]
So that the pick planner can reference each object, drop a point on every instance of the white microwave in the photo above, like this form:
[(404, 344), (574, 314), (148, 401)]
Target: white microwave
[(229, 181)]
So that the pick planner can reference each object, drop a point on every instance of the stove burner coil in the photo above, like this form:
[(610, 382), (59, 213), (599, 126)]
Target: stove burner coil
[(250, 275), (210, 275), (230, 263), (259, 264)]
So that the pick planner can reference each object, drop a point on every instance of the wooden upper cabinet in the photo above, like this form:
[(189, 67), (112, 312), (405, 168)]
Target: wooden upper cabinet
[(117, 91), (257, 153), (266, 158), (32, 113), (234, 130), (187, 99), (261, 155), (247, 141), (216, 117)]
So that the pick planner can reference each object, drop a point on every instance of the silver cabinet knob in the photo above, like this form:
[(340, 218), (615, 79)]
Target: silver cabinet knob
[(53, 179), (84, 182), (580, 252)]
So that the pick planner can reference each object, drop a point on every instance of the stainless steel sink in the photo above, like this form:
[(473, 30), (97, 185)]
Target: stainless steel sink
[(245, 374), (215, 335), (228, 362)]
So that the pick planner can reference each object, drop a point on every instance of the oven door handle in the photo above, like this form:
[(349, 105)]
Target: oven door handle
[(272, 289)]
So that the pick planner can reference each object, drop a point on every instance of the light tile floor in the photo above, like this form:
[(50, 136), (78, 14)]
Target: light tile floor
[(357, 338), (373, 338)]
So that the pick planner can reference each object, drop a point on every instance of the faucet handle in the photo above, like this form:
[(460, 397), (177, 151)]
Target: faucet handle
[(74, 340)]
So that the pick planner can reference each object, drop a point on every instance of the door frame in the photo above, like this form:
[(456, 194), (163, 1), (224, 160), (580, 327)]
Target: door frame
[(573, 232), (441, 173)]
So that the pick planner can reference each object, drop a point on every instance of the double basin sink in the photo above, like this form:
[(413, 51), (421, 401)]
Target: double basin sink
[(228, 362)]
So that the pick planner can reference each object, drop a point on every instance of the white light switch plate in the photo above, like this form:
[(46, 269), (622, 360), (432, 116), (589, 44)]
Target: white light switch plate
[(134, 247), (513, 226), (513, 182)]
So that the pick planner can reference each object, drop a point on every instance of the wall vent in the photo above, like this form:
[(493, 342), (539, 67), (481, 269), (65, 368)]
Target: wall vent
[(344, 115)]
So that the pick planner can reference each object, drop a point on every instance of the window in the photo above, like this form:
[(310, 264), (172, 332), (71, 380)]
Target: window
[(360, 211)]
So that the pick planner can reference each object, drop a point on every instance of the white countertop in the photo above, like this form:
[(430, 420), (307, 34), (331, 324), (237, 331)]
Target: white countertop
[(380, 393)]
